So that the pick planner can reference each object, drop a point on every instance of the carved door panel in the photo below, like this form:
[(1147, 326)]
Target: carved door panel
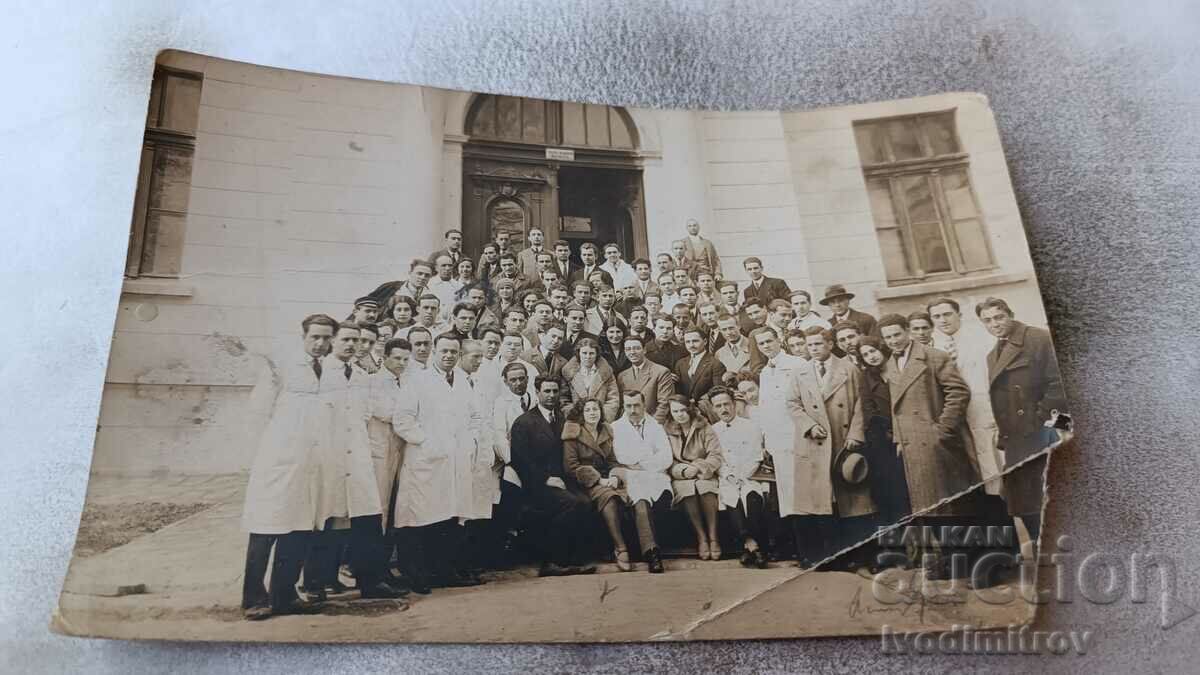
[(508, 196)]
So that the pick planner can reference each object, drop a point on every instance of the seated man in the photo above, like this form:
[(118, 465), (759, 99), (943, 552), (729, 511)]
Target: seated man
[(642, 448), (745, 498), (555, 518)]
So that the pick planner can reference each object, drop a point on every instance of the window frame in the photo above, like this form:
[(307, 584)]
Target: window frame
[(156, 142), (932, 167)]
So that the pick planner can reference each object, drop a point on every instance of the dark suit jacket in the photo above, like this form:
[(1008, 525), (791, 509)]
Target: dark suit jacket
[(656, 383), (708, 375), (568, 346), (537, 450), (577, 275), (867, 325), (771, 289), (665, 354), (553, 369), (1024, 385)]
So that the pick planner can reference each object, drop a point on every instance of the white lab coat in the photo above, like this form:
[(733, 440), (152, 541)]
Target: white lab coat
[(776, 422), (742, 442), (644, 460)]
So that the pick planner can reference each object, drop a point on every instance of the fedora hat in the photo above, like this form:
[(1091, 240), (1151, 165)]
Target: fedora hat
[(835, 291), (850, 466)]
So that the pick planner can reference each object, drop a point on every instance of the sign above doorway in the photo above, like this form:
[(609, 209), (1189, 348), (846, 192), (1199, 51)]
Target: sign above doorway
[(560, 154)]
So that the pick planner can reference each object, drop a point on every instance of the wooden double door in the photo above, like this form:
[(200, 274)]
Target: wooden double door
[(597, 204)]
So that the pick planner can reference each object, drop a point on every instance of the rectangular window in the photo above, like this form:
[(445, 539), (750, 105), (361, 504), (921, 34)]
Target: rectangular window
[(926, 214), (165, 175)]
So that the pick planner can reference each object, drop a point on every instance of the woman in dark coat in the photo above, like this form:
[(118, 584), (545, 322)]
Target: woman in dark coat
[(697, 458), (888, 486), (588, 460), (612, 348)]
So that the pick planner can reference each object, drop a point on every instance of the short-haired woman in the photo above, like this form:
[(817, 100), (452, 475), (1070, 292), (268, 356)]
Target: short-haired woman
[(694, 482)]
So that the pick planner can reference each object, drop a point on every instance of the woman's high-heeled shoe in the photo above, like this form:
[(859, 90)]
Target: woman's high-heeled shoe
[(714, 551), (705, 552), (623, 563)]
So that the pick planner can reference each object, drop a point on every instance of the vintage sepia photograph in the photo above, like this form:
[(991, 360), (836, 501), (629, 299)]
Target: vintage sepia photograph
[(401, 364)]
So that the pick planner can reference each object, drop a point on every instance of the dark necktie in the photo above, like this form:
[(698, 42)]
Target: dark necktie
[(450, 377), (316, 366), (553, 417), (821, 368), (525, 403), (348, 370)]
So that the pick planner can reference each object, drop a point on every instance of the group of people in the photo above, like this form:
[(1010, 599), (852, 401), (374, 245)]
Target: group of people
[(536, 401)]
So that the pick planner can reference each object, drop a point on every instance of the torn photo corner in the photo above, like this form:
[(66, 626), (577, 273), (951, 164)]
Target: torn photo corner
[(402, 364)]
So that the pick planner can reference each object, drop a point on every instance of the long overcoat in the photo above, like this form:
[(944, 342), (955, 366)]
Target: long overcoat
[(929, 403), (837, 406)]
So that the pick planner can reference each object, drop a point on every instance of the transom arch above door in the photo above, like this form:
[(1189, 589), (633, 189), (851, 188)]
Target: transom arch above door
[(515, 119)]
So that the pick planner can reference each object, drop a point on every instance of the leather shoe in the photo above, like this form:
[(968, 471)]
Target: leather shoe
[(654, 561), (256, 613), (382, 591), (457, 581), (747, 558), (552, 570), (760, 559), (297, 607)]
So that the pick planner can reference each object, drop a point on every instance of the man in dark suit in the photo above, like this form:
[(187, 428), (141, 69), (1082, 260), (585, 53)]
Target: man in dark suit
[(452, 246), (546, 357), (574, 316), (562, 261), (837, 298), (699, 371), (761, 286), (589, 255), (554, 517), (1025, 388), (655, 382), (663, 349)]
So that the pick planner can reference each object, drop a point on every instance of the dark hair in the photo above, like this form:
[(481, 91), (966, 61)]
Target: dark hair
[(558, 286), (850, 325), (507, 256), (693, 413), (577, 409), (630, 393), (751, 302), (490, 328), (752, 259), (461, 306), (450, 232), (920, 314), (561, 242), (942, 301), (631, 336), (877, 343), (719, 390), (694, 328), (555, 323), (639, 308), (587, 244), (543, 378), (587, 342), (429, 296), (778, 304), (761, 330), (515, 309), (993, 303), (512, 333), (406, 299), (800, 291), (419, 329), (490, 244), (663, 316), (447, 336), (318, 320), (396, 343), (623, 329), (366, 325), (726, 282), (345, 325), (892, 320), (643, 261), (513, 366), (747, 375), (544, 252), (420, 262)]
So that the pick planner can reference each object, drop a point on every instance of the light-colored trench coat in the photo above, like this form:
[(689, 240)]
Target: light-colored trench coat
[(836, 405), (313, 461)]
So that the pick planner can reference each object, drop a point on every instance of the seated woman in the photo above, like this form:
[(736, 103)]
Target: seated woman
[(697, 460), (588, 461), (587, 375), (612, 348)]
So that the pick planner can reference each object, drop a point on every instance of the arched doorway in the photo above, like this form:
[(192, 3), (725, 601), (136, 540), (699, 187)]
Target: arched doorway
[(571, 169)]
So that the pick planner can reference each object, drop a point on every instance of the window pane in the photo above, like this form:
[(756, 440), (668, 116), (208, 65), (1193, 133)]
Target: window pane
[(940, 130), (882, 209), (903, 135), (484, 123), (572, 115), (534, 122), (972, 242), (509, 216), (172, 179), (163, 247), (895, 256), (957, 186), (137, 227), (918, 198), (155, 103), (597, 125), (870, 144), (508, 121), (181, 104), (931, 247)]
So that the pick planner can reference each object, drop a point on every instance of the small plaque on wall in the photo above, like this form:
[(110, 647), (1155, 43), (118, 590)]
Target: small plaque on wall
[(575, 224)]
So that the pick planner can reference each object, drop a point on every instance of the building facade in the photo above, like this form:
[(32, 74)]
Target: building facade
[(266, 195)]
